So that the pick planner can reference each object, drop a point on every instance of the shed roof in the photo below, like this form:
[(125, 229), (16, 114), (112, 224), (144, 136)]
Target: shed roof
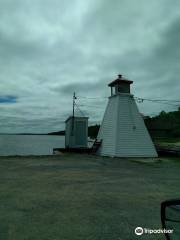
[(75, 117)]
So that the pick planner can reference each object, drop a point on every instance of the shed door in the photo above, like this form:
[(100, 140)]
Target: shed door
[(80, 133)]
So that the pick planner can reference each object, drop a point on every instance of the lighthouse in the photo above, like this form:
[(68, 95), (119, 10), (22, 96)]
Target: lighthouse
[(122, 132)]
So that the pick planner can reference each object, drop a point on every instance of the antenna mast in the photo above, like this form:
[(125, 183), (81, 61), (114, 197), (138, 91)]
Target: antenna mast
[(74, 98)]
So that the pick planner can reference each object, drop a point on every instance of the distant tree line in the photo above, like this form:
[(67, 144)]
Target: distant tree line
[(93, 131), (60, 133), (166, 124)]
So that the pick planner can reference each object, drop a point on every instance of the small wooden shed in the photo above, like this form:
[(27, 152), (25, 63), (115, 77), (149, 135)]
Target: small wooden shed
[(76, 132)]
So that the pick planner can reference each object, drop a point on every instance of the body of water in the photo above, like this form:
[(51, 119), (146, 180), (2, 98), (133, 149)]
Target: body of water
[(11, 145)]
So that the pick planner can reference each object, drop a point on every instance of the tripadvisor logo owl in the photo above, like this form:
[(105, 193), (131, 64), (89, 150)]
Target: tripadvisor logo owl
[(139, 231)]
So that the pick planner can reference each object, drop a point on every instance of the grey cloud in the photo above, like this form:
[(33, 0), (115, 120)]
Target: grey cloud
[(84, 87), (162, 65), (48, 51)]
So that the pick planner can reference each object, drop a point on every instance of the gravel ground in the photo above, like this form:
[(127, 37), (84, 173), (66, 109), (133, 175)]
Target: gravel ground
[(75, 196)]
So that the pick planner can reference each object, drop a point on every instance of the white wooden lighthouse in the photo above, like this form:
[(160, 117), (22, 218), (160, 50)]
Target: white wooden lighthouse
[(123, 132)]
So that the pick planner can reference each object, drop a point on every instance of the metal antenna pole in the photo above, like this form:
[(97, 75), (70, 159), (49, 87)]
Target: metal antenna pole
[(74, 98)]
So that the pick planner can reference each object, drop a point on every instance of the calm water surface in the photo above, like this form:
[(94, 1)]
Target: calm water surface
[(29, 144)]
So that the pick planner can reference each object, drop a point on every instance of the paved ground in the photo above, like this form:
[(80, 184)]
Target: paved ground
[(72, 197)]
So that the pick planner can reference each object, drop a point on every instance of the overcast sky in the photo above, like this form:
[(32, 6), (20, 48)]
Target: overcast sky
[(50, 48)]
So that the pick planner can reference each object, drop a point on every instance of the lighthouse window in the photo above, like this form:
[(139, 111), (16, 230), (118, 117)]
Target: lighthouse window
[(112, 91), (124, 88), (120, 89)]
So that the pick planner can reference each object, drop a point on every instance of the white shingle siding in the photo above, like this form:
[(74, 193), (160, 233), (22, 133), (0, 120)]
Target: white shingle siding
[(123, 131), (108, 129)]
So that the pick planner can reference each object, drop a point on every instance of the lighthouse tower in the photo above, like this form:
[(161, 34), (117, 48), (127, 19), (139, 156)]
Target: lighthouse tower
[(123, 132)]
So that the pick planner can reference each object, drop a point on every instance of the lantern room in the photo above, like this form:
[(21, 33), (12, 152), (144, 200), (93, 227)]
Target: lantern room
[(120, 85)]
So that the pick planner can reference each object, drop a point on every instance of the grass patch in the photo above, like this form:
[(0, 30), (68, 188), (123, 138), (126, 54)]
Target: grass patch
[(83, 197)]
